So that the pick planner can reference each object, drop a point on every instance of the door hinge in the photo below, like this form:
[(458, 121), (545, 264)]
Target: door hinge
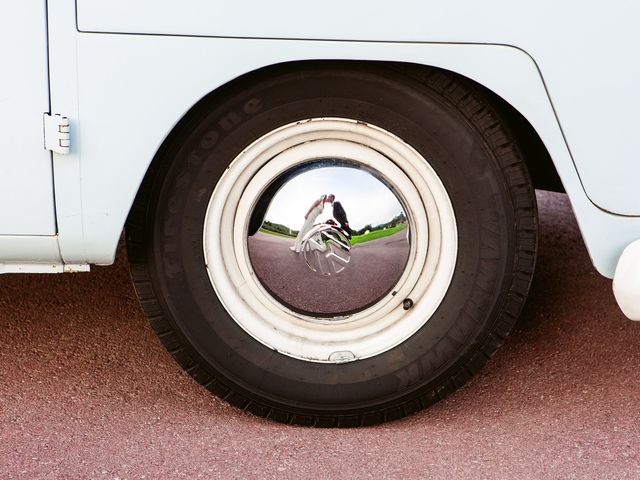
[(57, 136)]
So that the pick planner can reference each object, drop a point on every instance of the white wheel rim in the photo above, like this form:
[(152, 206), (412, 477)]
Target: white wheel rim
[(363, 334)]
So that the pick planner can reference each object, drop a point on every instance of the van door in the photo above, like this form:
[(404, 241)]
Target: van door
[(26, 187)]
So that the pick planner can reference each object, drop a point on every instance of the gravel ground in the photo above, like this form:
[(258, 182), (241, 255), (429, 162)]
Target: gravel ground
[(87, 391)]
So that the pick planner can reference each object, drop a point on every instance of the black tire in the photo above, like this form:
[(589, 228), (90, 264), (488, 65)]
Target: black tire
[(448, 120)]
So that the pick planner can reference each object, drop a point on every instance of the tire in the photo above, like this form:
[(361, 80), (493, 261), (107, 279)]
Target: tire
[(446, 121)]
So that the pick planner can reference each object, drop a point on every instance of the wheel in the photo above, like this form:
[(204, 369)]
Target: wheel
[(335, 245)]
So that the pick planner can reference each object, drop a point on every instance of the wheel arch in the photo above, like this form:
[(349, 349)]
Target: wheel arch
[(539, 162), (508, 76)]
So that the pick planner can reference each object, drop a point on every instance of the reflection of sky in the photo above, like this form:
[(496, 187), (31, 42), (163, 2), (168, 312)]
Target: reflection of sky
[(365, 199)]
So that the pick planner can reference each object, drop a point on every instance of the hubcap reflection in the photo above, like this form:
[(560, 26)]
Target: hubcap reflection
[(329, 238)]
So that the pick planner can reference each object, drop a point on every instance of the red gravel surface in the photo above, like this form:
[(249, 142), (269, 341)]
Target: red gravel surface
[(87, 391)]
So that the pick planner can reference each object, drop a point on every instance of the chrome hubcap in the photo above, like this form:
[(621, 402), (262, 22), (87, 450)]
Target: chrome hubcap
[(329, 254)]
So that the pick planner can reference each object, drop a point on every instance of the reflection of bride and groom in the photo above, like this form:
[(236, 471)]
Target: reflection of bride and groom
[(314, 212)]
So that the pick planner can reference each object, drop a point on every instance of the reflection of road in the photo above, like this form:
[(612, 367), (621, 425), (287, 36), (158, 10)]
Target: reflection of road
[(374, 266)]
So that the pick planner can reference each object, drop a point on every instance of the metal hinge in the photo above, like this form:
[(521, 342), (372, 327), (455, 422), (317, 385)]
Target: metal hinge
[(56, 133)]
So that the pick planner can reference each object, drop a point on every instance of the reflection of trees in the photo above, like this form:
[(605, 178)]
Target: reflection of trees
[(395, 221), (279, 228)]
